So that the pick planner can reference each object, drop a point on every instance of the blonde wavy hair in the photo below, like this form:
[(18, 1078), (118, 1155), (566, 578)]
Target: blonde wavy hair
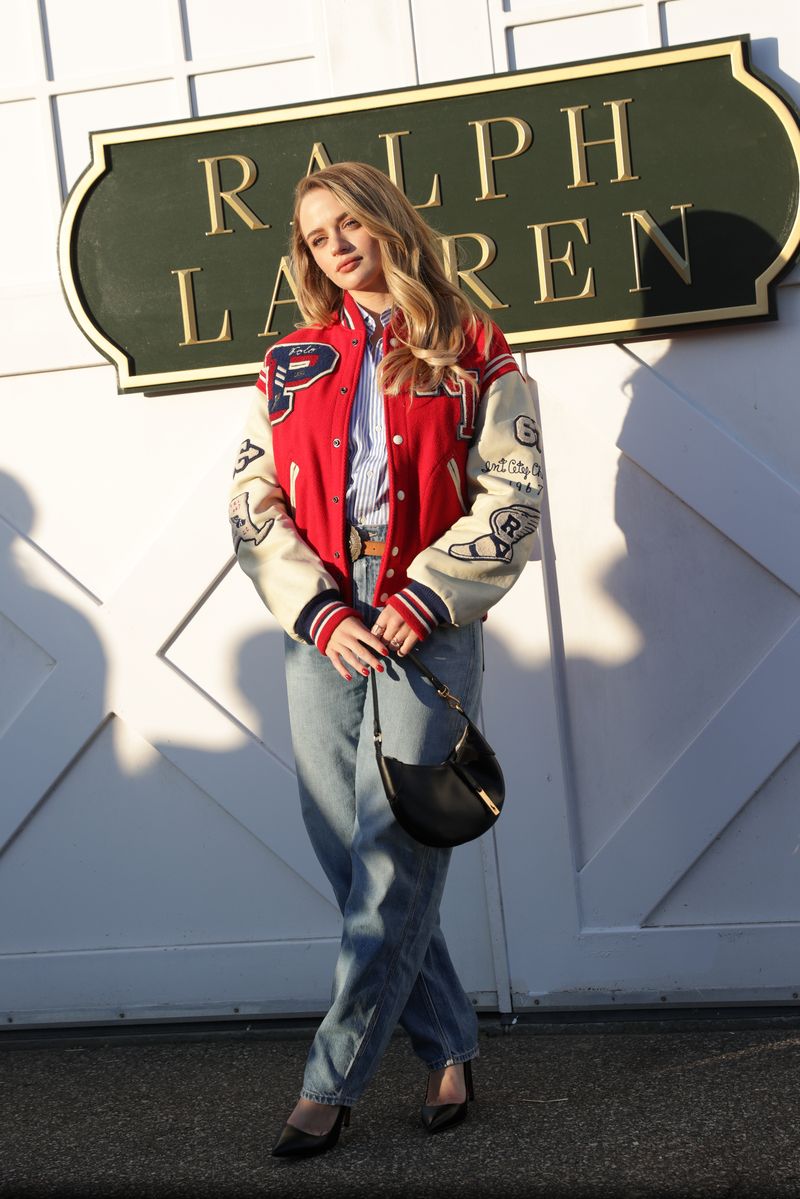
[(434, 321)]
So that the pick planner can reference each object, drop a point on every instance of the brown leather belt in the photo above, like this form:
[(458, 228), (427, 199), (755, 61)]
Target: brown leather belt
[(359, 546)]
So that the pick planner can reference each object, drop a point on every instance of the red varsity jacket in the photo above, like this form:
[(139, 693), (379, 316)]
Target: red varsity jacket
[(464, 470)]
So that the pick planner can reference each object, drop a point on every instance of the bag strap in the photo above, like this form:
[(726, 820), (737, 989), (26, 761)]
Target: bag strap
[(441, 689), (377, 735)]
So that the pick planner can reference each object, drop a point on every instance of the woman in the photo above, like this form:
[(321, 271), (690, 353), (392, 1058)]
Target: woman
[(385, 494)]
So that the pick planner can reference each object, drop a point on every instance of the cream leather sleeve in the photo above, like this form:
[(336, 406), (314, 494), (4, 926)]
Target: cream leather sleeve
[(473, 564), (286, 572)]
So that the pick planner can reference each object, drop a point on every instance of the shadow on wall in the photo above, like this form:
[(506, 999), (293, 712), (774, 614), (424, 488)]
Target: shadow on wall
[(52, 716), (767, 51), (682, 600), (109, 841)]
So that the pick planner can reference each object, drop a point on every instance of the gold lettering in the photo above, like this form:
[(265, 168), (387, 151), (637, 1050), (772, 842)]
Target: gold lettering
[(468, 274), (487, 159), (216, 195), (654, 231), (189, 311), (319, 157), (394, 158), (545, 260), (284, 272), (620, 142)]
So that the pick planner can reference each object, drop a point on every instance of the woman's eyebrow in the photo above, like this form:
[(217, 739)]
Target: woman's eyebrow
[(319, 228)]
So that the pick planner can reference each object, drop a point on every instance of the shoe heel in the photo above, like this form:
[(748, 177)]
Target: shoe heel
[(346, 1117), (468, 1080)]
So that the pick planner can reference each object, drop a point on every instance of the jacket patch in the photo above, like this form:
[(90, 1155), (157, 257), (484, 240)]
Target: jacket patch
[(526, 431), (467, 393), (290, 368), (243, 527), (248, 452), (509, 525)]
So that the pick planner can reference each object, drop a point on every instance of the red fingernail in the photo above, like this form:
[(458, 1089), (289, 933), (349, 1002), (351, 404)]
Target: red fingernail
[(349, 678), (379, 667), (385, 653), (365, 671)]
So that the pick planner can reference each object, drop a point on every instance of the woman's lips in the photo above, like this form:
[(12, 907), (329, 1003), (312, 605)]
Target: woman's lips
[(348, 266)]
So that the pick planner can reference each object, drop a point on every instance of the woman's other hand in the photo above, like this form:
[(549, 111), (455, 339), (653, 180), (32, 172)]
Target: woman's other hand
[(394, 631), (352, 641)]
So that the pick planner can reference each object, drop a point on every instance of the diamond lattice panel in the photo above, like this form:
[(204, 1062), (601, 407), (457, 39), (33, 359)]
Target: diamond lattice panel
[(652, 651), (111, 486), (750, 872), (25, 667), (754, 405), (145, 857), (245, 673)]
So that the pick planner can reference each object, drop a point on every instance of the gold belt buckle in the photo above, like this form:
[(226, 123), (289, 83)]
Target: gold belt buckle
[(356, 544)]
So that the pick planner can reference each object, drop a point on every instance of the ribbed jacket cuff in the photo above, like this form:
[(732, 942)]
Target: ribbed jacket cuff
[(420, 608), (319, 618), (328, 618)]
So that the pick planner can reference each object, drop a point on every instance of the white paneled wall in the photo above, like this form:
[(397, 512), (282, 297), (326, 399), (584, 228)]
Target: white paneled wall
[(144, 741)]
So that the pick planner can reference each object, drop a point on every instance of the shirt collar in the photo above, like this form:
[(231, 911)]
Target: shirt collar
[(386, 316)]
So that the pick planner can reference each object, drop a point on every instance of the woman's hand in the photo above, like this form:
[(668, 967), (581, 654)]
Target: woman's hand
[(394, 631), (353, 641)]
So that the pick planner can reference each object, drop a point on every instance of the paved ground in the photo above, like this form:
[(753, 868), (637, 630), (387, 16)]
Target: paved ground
[(706, 1109)]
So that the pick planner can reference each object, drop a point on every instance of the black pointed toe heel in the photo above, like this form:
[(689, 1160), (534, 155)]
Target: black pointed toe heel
[(438, 1116), (293, 1142)]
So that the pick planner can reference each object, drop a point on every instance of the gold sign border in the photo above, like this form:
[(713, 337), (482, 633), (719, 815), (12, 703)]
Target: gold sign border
[(729, 48)]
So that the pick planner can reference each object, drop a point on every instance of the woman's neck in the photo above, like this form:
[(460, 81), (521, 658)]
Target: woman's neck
[(373, 302)]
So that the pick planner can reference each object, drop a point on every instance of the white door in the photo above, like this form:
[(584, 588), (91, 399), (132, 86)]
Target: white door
[(154, 858), (646, 686), (153, 864), (643, 678)]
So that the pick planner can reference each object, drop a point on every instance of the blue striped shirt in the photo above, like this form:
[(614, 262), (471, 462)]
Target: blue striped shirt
[(368, 487)]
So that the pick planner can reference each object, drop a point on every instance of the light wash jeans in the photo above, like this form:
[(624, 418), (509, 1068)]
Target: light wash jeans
[(393, 963)]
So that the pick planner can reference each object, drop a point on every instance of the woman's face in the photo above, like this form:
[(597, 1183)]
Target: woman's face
[(340, 246)]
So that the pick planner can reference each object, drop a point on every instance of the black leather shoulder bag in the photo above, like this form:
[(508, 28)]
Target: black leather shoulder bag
[(450, 802)]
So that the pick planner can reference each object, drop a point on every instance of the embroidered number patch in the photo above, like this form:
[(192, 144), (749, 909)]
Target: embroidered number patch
[(243, 527), (526, 431), (248, 452), (508, 525), (291, 368)]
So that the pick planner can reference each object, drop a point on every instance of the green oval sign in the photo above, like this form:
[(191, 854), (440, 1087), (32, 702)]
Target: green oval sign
[(596, 201)]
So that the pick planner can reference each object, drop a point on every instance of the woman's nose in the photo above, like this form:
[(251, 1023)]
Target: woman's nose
[(341, 244)]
